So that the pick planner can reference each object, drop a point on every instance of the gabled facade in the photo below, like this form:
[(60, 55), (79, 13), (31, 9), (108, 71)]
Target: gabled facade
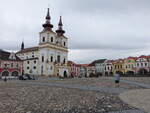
[(108, 67), (99, 66), (142, 65), (118, 66), (130, 65), (74, 69), (10, 64)]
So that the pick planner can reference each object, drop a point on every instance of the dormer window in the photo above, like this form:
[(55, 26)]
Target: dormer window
[(52, 39), (43, 39)]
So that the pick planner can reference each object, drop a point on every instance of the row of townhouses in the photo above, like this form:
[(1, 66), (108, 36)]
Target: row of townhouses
[(127, 66)]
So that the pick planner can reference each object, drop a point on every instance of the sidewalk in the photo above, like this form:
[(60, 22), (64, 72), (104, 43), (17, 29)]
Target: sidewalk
[(137, 98)]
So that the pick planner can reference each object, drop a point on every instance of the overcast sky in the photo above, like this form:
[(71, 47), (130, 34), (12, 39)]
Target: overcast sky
[(96, 28)]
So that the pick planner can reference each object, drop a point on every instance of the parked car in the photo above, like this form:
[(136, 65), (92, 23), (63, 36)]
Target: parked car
[(21, 77), (26, 77)]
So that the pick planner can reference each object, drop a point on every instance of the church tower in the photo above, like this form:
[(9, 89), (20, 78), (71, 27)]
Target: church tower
[(50, 56), (47, 34), (60, 30)]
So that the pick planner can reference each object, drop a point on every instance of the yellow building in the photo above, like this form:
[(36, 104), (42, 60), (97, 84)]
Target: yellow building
[(118, 66), (129, 65)]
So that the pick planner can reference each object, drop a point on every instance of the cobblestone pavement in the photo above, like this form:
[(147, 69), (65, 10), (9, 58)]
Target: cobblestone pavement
[(144, 80), (136, 83), (138, 98), (128, 111), (26, 98), (71, 86), (63, 96), (102, 82)]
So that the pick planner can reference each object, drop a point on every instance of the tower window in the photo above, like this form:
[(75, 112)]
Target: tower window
[(52, 39), (43, 39), (64, 43), (51, 58), (28, 62), (42, 58)]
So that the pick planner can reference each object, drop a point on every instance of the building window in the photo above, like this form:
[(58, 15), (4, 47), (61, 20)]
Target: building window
[(41, 69), (11, 64), (64, 43), (64, 61), (28, 68), (34, 67), (43, 39), (51, 58), (42, 58), (5, 65), (35, 61), (17, 65), (28, 62), (52, 39), (58, 58)]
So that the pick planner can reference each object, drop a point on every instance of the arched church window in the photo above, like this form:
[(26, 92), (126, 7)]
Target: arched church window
[(52, 39), (43, 39)]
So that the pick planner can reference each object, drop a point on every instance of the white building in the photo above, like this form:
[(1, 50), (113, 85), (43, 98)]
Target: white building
[(108, 67), (99, 66), (50, 56)]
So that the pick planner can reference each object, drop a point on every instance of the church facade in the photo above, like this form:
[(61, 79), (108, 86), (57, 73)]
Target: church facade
[(50, 57)]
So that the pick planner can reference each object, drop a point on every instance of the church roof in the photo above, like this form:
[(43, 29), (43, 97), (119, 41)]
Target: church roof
[(28, 49)]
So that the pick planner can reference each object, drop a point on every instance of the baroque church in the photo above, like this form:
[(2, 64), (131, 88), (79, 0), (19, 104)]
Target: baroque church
[(50, 57)]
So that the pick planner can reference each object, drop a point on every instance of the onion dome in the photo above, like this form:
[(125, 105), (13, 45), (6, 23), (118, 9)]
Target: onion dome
[(60, 30), (47, 25)]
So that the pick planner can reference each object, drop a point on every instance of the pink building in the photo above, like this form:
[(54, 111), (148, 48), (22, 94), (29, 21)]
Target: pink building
[(10, 64), (74, 69)]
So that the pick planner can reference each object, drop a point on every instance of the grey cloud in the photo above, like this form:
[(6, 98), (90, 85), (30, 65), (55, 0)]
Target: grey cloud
[(113, 27)]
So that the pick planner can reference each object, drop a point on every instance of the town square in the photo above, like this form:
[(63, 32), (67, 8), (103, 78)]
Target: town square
[(74, 56)]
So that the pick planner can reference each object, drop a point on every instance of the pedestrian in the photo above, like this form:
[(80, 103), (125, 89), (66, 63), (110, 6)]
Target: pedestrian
[(117, 79)]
